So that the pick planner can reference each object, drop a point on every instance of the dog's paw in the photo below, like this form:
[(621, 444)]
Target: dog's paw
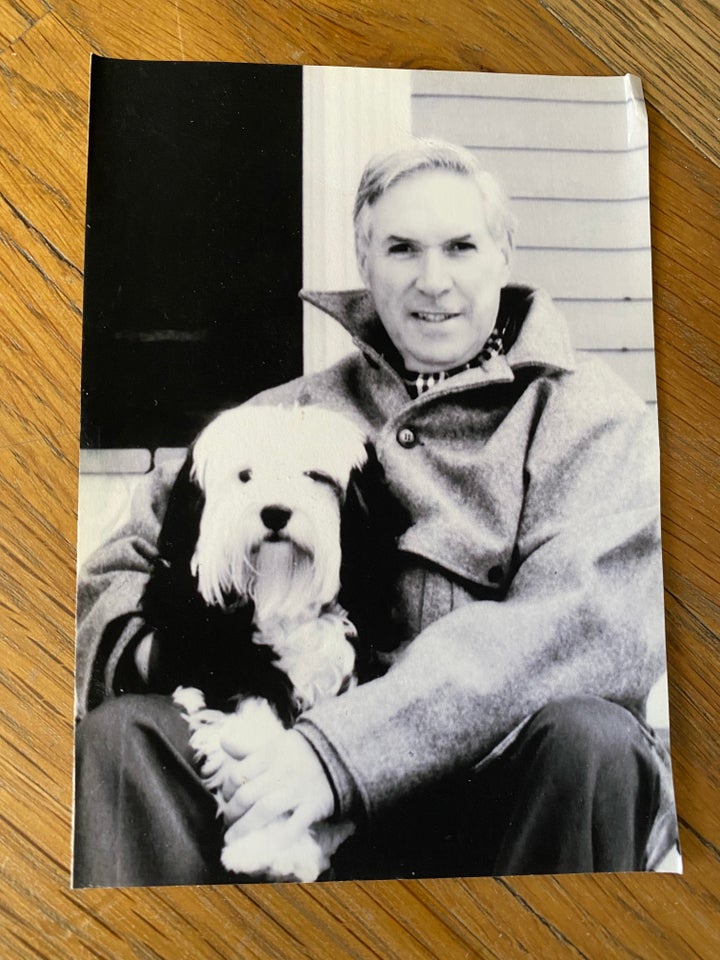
[(252, 725), (265, 855), (189, 699), (274, 856), (214, 764)]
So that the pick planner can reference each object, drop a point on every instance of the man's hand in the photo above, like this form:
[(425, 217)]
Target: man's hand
[(282, 780)]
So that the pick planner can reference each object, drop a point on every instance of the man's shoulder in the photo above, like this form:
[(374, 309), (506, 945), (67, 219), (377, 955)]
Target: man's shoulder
[(600, 386), (588, 403)]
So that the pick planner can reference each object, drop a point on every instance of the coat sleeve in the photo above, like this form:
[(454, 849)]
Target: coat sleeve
[(110, 588), (583, 614)]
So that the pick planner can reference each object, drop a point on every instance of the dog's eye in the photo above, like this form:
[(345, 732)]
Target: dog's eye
[(244, 476), (320, 477)]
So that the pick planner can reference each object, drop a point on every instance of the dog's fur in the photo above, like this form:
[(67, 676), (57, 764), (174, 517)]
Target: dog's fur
[(244, 599)]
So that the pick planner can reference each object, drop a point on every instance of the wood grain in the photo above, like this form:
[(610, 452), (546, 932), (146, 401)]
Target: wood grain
[(44, 60), (672, 46)]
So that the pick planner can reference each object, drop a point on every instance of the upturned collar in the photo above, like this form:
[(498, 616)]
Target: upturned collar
[(535, 330)]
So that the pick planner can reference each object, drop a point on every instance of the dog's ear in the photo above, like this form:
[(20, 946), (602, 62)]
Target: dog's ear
[(371, 522), (181, 526), (370, 508)]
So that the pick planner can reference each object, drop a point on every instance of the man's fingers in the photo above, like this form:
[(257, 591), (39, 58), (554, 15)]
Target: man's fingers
[(264, 811), (279, 834), (238, 773), (244, 797)]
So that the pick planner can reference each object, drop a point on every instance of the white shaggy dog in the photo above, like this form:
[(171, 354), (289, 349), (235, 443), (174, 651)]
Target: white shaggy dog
[(271, 482)]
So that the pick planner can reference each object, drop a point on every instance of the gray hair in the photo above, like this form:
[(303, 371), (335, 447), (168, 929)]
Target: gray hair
[(388, 168)]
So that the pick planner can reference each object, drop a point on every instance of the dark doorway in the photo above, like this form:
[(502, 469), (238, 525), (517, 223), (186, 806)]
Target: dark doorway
[(193, 246)]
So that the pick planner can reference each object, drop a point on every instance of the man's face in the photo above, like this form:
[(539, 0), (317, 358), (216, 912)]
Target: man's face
[(433, 269)]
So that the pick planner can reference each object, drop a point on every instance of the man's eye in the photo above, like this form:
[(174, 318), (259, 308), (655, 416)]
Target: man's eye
[(400, 249), (244, 476), (461, 246)]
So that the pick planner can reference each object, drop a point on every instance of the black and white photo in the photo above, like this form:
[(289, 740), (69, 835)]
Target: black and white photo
[(369, 579)]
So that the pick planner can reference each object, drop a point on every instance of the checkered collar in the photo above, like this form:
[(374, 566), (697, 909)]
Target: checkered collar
[(419, 383)]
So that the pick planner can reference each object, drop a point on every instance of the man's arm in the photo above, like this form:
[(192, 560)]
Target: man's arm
[(110, 587), (582, 616)]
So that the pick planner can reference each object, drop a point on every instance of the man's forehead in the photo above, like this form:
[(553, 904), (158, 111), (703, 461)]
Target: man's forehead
[(438, 203)]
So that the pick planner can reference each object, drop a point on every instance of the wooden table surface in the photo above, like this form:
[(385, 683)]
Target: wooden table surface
[(44, 67)]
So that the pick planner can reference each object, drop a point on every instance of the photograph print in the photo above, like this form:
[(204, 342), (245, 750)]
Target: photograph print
[(369, 561)]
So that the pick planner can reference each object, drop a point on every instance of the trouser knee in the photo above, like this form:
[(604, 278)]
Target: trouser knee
[(143, 814), (590, 731), (120, 724)]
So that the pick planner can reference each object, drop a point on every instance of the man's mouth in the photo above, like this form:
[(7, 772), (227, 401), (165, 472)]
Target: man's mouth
[(433, 316)]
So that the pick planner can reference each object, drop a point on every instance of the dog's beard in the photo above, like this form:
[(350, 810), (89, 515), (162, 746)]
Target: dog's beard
[(284, 580), (284, 586)]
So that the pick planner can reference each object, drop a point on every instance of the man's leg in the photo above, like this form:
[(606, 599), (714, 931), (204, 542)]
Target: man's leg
[(576, 792), (142, 815), (585, 781)]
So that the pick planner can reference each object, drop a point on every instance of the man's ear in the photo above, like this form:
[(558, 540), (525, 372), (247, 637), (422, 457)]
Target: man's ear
[(507, 248), (361, 257), (506, 269), (362, 243)]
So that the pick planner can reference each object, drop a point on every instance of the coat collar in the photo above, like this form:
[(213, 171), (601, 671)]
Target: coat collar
[(538, 332)]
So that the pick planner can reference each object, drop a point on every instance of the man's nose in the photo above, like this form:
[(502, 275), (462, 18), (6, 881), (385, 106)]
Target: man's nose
[(433, 276)]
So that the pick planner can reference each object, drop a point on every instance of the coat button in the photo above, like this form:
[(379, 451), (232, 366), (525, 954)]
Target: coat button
[(495, 574), (406, 437)]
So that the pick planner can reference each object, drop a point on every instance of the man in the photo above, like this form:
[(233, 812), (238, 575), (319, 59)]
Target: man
[(506, 735)]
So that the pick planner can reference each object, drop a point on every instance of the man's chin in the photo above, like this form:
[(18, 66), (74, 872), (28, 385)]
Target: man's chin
[(440, 355)]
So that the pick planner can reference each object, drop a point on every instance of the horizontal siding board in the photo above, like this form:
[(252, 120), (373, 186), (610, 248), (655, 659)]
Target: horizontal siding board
[(586, 275), (593, 89), (582, 224), (572, 156), (582, 175), (521, 123), (635, 367), (605, 325)]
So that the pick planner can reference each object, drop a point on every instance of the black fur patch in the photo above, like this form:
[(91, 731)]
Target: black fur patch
[(203, 646), (197, 645), (371, 523)]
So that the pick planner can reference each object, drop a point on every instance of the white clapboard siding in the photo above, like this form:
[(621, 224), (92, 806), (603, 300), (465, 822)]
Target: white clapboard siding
[(575, 126), (635, 367), (596, 225), (572, 155), (580, 174), (521, 86), (611, 274), (609, 325)]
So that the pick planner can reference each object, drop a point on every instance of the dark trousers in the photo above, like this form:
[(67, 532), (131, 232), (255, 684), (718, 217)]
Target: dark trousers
[(577, 791)]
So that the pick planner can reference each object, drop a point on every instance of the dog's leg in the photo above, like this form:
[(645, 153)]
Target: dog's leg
[(206, 730), (190, 699)]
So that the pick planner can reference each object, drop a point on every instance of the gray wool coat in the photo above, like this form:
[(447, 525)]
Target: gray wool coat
[(532, 568)]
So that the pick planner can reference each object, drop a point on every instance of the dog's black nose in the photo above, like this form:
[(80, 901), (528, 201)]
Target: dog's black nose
[(275, 518)]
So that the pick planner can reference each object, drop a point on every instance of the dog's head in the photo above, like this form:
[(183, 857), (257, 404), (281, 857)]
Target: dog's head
[(272, 482)]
